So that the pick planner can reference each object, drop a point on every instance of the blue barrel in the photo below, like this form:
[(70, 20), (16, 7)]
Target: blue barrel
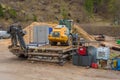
[(50, 30)]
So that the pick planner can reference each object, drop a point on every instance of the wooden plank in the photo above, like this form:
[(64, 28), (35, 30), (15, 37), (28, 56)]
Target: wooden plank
[(15, 48), (43, 60), (65, 56), (116, 48), (44, 54), (59, 49), (71, 49), (54, 47), (46, 49), (111, 45)]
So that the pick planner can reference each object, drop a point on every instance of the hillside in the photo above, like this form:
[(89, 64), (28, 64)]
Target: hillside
[(27, 11), (81, 11)]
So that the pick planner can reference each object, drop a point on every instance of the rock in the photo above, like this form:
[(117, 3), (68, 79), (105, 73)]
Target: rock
[(57, 11), (56, 5), (44, 2)]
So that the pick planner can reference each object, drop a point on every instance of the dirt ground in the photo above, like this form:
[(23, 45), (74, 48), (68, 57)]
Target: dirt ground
[(12, 68)]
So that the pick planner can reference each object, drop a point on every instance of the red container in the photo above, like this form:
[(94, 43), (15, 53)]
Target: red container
[(82, 51), (94, 65)]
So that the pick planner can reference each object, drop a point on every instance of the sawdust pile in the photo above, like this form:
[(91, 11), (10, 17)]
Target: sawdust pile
[(29, 29)]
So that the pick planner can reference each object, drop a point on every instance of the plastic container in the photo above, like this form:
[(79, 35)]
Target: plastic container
[(116, 64), (118, 41), (94, 65), (40, 34), (85, 60), (75, 59), (103, 53), (92, 51), (82, 51)]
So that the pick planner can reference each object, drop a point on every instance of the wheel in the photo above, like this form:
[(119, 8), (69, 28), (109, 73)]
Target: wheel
[(70, 41), (62, 44), (53, 43)]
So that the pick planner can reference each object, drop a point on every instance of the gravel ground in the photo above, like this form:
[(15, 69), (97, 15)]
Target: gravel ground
[(12, 68)]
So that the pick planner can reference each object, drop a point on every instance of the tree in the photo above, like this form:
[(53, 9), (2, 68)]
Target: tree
[(106, 8), (89, 6), (1, 11)]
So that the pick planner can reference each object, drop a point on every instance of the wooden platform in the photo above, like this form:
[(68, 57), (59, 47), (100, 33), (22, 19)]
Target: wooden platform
[(58, 54)]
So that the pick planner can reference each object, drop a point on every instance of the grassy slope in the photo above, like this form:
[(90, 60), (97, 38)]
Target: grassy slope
[(45, 10)]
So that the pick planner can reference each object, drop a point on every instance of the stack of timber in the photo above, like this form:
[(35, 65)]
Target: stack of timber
[(84, 34), (112, 45)]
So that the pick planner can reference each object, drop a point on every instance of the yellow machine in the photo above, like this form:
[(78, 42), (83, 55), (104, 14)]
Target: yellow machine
[(61, 33)]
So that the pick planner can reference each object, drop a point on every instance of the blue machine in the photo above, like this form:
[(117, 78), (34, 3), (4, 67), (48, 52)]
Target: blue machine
[(115, 64)]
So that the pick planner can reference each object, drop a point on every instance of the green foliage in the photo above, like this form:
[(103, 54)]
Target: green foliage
[(99, 2), (64, 11), (7, 12), (111, 6), (12, 13), (108, 7), (34, 17), (89, 6), (1, 11)]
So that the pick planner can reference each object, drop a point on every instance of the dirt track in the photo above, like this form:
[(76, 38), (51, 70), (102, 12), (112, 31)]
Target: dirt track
[(12, 68)]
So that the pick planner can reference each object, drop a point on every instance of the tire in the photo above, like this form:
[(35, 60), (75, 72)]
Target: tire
[(62, 44), (53, 43)]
